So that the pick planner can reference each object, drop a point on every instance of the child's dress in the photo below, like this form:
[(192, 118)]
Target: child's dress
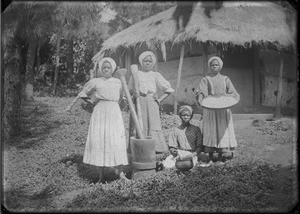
[(149, 83), (106, 140), (218, 130), (186, 140)]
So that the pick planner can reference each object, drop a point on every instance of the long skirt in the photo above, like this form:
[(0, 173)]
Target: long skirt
[(106, 140), (152, 123), (218, 131)]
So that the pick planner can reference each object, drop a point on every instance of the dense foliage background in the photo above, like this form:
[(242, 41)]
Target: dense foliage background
[(47, 47)]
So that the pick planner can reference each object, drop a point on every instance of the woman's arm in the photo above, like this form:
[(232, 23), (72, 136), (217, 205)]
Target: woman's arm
[(230, 90), (88, 100), (85, 94), (69, 107), (121, 96), (164, 96), (173, 142), (202, 90), (199, 142), (163, 84)]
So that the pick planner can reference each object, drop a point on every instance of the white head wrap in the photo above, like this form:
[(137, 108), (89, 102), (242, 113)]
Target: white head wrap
[(186, 107), (215, 58), (145, 54), (107, 59)]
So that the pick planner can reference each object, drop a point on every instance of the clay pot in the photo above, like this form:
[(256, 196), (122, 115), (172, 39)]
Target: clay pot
[(184, 165)]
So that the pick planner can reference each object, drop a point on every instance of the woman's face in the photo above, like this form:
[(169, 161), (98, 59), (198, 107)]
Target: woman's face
[(147, 63), (185, 116), (106, 70), (215, 66)]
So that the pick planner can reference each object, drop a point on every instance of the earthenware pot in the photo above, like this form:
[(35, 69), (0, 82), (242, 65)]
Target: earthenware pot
[(184, 165)]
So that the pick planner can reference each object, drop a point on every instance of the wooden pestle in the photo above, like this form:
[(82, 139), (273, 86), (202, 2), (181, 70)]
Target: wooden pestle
[(134, 73), (121, 75)]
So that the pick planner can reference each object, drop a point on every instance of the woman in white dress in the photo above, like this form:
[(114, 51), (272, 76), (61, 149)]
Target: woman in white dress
[(149, 83), (218, 130), (106, 140)]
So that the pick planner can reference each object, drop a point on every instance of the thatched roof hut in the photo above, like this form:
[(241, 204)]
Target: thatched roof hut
[(235, 23)]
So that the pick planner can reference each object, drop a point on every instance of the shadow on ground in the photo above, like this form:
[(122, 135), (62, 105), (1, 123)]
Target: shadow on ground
[(91, 172), (35, 125)]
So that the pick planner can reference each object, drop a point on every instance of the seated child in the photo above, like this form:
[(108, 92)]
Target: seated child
[(184, 141)]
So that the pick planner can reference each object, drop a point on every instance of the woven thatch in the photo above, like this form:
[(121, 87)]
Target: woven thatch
[(237, 23)]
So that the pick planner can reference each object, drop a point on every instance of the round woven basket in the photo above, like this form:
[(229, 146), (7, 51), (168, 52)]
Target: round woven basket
[(220, 102)]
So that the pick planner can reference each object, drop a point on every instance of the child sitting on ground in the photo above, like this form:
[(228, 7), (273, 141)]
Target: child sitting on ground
[(184, 141)]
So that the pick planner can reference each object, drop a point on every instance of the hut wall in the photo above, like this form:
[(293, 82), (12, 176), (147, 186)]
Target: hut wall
[(269, 63), (238, 66)]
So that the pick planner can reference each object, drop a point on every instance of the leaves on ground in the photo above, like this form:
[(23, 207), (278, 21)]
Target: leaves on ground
[(43, 169)]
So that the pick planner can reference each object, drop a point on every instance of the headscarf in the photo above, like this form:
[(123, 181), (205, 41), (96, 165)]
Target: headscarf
[(215, 58), (186, 107), (145, 54), (110, 60)]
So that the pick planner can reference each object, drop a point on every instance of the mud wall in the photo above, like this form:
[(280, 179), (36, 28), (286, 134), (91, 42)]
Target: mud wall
[(269, 66)]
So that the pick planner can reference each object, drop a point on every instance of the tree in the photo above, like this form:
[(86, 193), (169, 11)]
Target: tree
[(130, 13), (32, 21), (77, 23), (22, 24), (11, 79)]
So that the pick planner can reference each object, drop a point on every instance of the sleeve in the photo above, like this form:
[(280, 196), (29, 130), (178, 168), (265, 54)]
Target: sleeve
[(121, 90), (231, 90), (172, 139), (202, 90), (163, 84), (88, 89), (199, 140)]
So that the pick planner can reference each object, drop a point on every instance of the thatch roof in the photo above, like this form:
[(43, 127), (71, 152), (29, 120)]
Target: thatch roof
[(236, 23)]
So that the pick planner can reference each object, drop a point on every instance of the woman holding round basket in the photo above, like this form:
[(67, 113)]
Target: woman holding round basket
[(216, 94)]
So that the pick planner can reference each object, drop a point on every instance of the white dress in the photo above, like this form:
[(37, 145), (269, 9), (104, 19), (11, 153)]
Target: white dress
[(106, 140)]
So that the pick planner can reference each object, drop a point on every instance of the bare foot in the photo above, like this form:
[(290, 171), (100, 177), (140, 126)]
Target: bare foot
[(123, 177), (220, 163), (206, 164)]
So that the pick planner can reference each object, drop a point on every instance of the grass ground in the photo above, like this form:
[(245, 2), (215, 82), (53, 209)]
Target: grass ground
[(43, 169)]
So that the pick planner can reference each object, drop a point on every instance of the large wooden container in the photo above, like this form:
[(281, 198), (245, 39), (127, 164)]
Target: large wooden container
[(143, 157)]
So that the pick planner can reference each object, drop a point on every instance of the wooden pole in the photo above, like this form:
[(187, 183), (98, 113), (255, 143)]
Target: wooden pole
[(128, 62), (134, 73), (120, 62), (121, 75), (204, 66), (155, 67), (178, 79), (256, 79), (279, 91)]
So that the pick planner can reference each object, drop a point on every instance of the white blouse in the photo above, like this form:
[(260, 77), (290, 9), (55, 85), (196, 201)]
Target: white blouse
[(102, 89), (149, 82)]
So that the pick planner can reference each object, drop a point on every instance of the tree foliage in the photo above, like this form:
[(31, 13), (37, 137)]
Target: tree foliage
[(131, 13)]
